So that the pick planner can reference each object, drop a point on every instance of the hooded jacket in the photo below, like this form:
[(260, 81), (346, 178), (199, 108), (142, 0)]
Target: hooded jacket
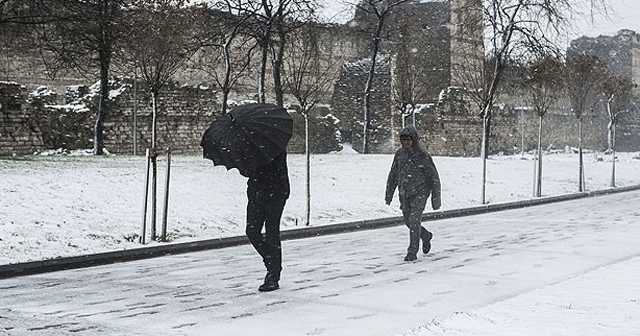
[(413, 172)]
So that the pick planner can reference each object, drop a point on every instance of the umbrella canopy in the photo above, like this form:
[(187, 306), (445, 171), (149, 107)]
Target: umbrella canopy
[(248, 137)]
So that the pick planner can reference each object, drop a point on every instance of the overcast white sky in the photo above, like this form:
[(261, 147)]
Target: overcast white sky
[(623, 14)]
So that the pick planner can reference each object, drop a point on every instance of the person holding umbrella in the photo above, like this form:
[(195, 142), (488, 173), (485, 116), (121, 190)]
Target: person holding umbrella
[(253, 138), (416, 177)]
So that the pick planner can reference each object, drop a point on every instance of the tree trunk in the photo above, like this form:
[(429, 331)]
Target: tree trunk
[(535, 176), (367, 87), (154, 166), (277, 68), (580, 162), (98, 140), (610, 135), (225, 101), (609, 127), (613, 156), (262, 74), (483, 154), (308, 159), (227, 77), (135, 112), (539, 174)]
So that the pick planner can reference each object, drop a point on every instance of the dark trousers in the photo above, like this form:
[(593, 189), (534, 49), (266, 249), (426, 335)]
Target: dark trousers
[(412, 209), (265, 212)]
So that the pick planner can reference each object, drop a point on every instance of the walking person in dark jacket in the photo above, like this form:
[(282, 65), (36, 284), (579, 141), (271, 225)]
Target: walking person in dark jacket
[(416, 177), (267, 192)]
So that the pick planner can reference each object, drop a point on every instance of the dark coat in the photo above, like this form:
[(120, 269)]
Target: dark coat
[(413, 172), (270, 181)]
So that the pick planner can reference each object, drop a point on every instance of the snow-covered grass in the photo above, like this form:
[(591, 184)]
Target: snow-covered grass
[(53, 206)]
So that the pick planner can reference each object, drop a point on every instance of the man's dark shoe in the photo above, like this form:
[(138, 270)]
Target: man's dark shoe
[(426, 242), (410, 257), (270, 282)]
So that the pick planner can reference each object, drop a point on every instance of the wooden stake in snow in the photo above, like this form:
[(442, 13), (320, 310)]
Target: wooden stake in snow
[(163, 234), (146, 198)]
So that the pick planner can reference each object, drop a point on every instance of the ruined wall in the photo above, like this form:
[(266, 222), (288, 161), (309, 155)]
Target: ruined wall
[(19, 131), (348, 101), (183, 115), (620, 52), (29, 124)]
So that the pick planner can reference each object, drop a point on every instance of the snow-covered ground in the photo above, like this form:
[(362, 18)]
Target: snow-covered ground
[(560, 269), (604, 301), (54, 206)]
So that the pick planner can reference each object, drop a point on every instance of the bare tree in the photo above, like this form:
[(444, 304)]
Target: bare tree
[(26, 12), (380, 11), (545, 86), (514, 28), (310, 68), (273, 21), (583, 76), (160, 44), (617, 90), (82, 35), (286, 16), (225, 41)]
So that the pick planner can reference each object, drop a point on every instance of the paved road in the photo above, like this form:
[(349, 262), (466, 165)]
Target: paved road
[(348, 284)]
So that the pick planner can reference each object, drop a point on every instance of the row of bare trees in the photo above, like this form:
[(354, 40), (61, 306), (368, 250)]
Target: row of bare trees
[(157, 38), (154, 39), (587, 82), (529, 30)]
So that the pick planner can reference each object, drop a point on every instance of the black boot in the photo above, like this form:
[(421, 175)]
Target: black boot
[(270, 282), (410, 257), (426, 242)]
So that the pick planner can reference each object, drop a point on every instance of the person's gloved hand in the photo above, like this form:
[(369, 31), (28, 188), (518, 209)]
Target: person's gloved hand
[(435, 202)]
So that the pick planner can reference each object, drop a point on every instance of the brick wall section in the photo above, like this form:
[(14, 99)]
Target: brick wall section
[(628, 132), (183, 115), (459, 135), (455, 135), (19, 131)]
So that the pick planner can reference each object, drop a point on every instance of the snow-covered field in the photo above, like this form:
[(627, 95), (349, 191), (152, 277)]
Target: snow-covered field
[(54, 206)]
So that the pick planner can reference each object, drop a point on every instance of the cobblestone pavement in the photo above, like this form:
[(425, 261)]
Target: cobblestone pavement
[(347, 284)]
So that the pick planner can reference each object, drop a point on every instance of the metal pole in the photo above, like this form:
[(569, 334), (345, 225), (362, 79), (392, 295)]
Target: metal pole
[(146, 197), (163, 235)]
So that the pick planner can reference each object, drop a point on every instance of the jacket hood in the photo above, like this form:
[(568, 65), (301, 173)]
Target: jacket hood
[(410, 131)]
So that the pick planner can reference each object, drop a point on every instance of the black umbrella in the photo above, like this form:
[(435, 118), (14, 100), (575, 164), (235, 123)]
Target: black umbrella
[(248, 137)]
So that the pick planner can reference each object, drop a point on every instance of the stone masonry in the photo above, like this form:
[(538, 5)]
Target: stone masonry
[(19, 133)]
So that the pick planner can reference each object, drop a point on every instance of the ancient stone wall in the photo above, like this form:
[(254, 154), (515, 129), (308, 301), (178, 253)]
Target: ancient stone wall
[(347, 102), (183, 115), (19, 131), (29, 124)]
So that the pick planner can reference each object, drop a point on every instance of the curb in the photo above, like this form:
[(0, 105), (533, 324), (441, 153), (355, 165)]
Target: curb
[(58, 264)]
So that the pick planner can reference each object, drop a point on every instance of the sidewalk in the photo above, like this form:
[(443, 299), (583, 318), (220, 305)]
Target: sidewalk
[(604, 301), (354, 283)]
